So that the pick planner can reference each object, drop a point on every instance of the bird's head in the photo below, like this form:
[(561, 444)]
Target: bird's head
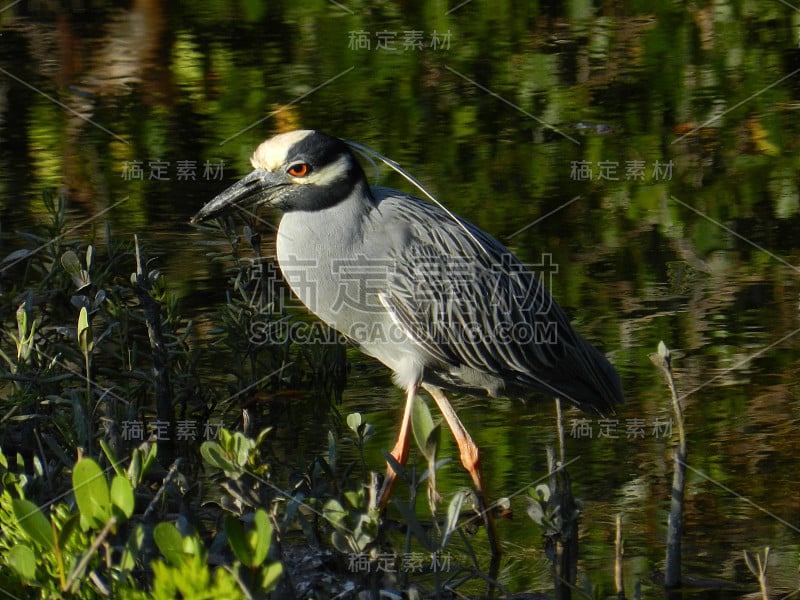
[(299, 170)]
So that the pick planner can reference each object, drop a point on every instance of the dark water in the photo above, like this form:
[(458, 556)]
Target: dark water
[(651, 148)]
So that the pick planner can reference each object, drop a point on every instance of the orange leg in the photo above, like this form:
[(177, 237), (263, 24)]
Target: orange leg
[(401, 448), (470, 459)]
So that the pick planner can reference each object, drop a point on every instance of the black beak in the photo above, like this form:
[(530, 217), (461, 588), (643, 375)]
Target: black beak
[(256, 187)]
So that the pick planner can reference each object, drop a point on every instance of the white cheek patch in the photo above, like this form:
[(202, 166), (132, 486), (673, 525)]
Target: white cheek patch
[(327, 174), (270, 155)]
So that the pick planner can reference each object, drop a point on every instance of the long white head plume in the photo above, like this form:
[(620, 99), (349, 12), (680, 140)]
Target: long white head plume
[(370, 153)]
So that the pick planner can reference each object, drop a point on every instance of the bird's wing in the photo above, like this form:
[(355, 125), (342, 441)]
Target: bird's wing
[(468, 301)]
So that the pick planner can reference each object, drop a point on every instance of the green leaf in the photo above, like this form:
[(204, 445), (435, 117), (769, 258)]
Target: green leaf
[(214, 455), (432, 444), (72, 265), (135, 467), (91, 493), (67, 529), (334, 512), (237, 540), (542, 491), (340, 542), (354, 422), (33, 522), (85, 339), (243, 447), (22, 322), (536, 512), (262, 436), (260, 537), (25, 334), (252, 548), (225, 438), (23, 560), (111, 457), (122, 495), (271, 574), (53, 445), (421, 425), (395, 465), (355, 498), (133, 549), (150, 457), (170, 542), (453, 512)]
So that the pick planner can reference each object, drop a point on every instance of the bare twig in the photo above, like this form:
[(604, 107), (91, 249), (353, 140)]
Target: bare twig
[(672, 575), (143, 284), (562, 452), (87, 556), (565, 560), (759, 569), (618, 552), (173, 470)]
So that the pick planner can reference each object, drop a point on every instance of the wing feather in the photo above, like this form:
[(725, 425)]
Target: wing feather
[(469, 302)]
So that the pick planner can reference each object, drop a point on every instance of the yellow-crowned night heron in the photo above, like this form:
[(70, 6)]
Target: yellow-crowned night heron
[(441, 303)]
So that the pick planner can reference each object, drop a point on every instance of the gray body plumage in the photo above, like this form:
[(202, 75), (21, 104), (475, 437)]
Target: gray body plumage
[(409, 286)]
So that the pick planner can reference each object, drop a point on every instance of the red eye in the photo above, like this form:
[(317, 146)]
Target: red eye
[(299, 170)]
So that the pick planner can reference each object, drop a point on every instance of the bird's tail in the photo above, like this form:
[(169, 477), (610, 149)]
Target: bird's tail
[(595, 386)]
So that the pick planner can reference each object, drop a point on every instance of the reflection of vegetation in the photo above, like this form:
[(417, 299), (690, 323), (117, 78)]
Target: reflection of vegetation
[(653, 83)]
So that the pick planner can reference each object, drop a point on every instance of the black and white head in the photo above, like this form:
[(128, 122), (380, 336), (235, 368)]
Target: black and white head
[(302, 170)]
